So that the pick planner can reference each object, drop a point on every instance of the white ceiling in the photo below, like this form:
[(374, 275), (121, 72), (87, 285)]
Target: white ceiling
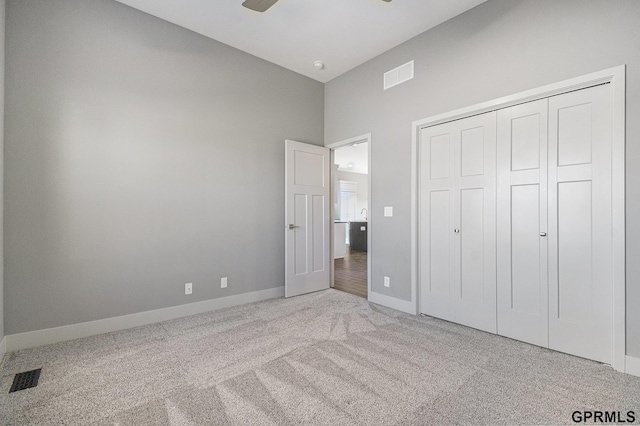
[(295, 33), (353, 158)]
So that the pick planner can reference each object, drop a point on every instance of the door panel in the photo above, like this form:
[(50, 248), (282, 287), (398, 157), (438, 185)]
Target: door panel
[(457, 221), (575, 277), (522, 211), (439, 160), (475, 217), (525, 138), (525, 251), (307, 248), (318, 231), (580, 205), (300, 238), (309, 169), (439, 246), (472, 151), (574, 136), (472, 246), (436, 236)]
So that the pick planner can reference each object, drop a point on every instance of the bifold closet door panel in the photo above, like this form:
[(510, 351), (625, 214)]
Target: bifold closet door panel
[(475, 218), (580, 233), (457, 221), (522, 223), (437, 182)]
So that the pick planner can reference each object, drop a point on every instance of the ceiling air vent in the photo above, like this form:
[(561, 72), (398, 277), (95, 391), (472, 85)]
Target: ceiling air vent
[(398, 75)]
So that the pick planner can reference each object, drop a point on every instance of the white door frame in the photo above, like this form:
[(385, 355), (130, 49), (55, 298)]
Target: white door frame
[(366, 138), (616, 77)]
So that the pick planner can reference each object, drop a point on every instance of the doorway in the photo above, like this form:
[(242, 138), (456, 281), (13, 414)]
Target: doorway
[(351, 233)]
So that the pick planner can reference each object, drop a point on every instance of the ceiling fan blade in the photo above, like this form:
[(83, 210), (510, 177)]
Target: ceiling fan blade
[(263, 5), (259, 5)]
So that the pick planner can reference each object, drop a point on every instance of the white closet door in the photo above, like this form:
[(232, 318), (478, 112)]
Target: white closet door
[(580, 235), (475, 286), (522, 223), (458, 231), (438, 183)]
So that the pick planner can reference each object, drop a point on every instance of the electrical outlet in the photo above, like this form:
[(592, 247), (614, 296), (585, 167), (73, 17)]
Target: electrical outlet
[(386, 281), (188, 288), (223, 282)]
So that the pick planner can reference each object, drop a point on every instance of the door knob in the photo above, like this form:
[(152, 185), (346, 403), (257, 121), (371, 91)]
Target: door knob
[(543, 234), (457, 231), (292, 226)]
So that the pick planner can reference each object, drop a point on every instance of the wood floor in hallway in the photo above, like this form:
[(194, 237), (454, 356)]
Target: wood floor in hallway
[(351, 273)]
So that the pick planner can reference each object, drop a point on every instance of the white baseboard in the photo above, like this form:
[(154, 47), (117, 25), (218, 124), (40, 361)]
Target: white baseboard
[(632, 365), (30, 339), (3, 347), (393, 303)]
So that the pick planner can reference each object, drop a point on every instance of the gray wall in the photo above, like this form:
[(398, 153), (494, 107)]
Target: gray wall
[(493, 50), (139, 156), (2, 28)]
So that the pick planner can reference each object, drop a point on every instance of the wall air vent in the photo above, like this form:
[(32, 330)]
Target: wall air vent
[(398, 75)]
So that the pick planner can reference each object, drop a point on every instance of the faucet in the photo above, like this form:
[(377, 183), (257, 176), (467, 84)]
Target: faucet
[(365, 213)]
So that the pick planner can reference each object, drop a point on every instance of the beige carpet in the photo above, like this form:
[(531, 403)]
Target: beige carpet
[(328, 358)]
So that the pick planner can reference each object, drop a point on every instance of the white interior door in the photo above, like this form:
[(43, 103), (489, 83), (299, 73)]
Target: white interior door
[(437, 192), (580, 224), (475, 288), (457, 222), (307, 204), (522, 223)]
